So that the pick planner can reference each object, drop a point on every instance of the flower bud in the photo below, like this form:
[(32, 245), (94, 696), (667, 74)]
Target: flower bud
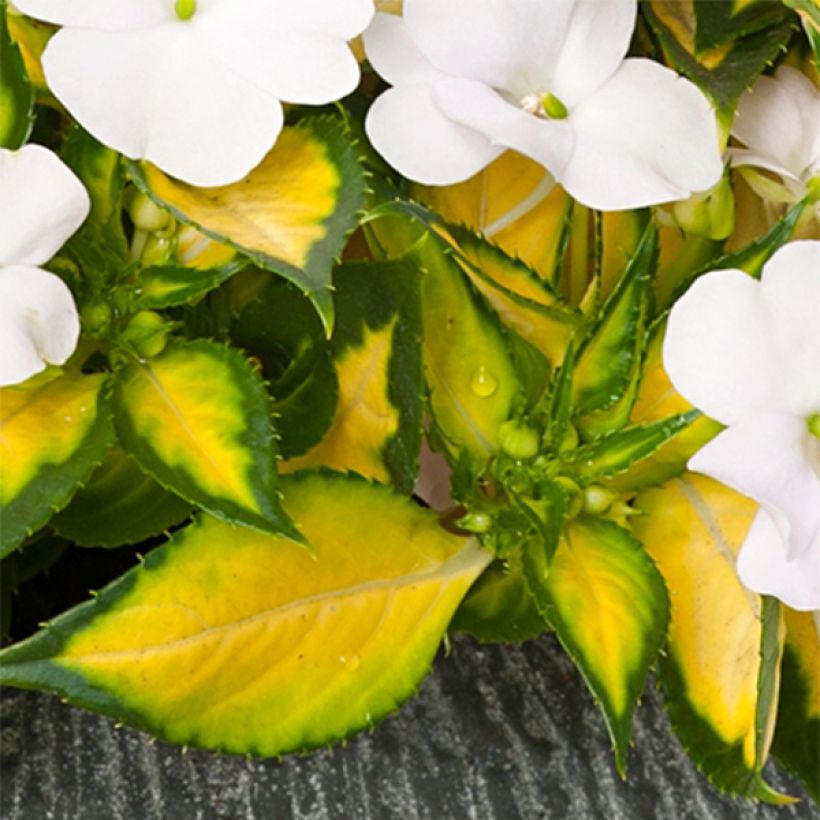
[(518, 440), (146, 214), (146, 334), (710, 214)]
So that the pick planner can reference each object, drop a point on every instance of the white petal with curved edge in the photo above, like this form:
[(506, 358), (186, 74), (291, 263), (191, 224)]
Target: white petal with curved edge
[(548, 142), (338, 19), (512, 45), (715, 353), (110, 15), (288, 55), (393, 54), (762, 566), (790, 288), (409, 130), (646, 136), (42, 204), (773, 459), (596, 42), (779, 118), (154, 95), (38, 322)]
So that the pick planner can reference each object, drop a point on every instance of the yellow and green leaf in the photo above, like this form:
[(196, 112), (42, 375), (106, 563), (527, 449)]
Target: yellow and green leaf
[(291, 214), (119, 505), (797, 734), (231, 639), (499, 607), (609, 358), (608, 605), (16, 95), (723, 59), (53, 433), (198, 420), (657, 400), (714, 665), (470, 373), (376, 356), (515, 205)]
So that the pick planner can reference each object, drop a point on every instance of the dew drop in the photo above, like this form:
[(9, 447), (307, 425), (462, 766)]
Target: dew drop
[(483, 384), (68, 418)]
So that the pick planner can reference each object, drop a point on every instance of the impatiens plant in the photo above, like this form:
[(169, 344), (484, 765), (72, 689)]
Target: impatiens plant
[(477, 346)]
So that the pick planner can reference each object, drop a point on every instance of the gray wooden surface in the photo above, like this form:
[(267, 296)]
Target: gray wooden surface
[(494, 733)]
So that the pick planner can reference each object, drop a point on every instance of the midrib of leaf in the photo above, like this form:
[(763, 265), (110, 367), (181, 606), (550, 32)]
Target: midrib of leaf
[(154, 379), (452, 567), (460, 409), (702, 509)]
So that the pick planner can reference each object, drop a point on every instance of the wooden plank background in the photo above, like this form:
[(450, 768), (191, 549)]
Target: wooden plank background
[(495, 732)]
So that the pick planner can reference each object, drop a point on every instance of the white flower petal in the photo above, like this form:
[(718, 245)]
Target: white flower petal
[(596, 42), (646, 136), (715, 351), (100, 14), (38, 322), (291, 51), (742, 157), (153, 94), (763, 566), (780, 119), (790, 288), (548, 142), (394, 55), (42, 203), (512, 45), (408, 129), (772, 458)]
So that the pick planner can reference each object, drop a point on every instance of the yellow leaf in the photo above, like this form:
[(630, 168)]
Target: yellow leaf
[(231, 639), (365, 418), (693, 528), (53, 433), (514, 204)]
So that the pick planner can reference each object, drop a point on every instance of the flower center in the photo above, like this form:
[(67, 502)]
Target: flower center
[(813, 423), (185, 9), (544, 105)]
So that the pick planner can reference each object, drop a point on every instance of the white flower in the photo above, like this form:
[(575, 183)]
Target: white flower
[(42, 204), (195, 86), (747, 353), (779, 123), (548, 79)]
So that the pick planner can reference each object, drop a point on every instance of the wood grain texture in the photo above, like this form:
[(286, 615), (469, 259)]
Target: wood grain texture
[(496, 733)]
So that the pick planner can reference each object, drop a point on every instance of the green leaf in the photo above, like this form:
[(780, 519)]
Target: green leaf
[(609, 608), (16, 94), (119, 505), (163, 286), (723, 22), (100, 246), (53, 434), (617, 452), (720, 637), (498, 607), (470, 373), (198, 420), (607, 359), (291, 214), (797, 735), (377, 361), (723, 73), (234, 640)]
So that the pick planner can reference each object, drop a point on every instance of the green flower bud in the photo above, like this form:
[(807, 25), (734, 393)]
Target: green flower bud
[(157, 251), (477, 522), (96, 317), (146, 334), (518, 440), (710, 214), (598, 499), (569, 441), (146, 214)]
